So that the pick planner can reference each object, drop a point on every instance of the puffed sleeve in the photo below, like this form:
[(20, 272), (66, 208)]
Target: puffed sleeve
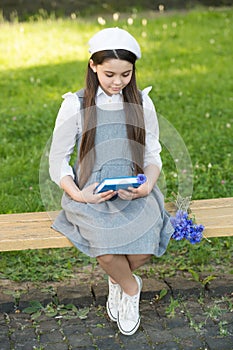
[(152, 144), (66, 130)]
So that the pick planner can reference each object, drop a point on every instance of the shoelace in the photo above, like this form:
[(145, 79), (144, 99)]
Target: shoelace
[(129, 308), (114, 294)]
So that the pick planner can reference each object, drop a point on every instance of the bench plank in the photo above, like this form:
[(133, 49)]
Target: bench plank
[(215, 214), (30, 231), (33, 230)]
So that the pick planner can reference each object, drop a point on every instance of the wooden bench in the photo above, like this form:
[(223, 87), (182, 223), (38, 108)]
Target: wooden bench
[(32, 230)]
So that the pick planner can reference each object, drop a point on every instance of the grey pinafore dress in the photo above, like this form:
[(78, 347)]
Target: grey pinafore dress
[(139, 226)]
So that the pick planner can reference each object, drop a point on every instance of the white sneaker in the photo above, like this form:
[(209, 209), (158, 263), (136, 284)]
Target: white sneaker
[(128, 319), (113, 301)]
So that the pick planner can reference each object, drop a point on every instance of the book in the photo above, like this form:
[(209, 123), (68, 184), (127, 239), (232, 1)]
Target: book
[(116, 183)]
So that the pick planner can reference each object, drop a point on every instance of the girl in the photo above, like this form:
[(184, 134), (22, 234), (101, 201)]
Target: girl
[(115, 129)]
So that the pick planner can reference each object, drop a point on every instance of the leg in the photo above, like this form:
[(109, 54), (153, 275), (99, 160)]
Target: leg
[(120, 277), (123, 309), (118, 268), (137, 260)]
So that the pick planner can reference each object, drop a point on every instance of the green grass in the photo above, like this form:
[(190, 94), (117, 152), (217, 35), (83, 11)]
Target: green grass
[(187, 58)]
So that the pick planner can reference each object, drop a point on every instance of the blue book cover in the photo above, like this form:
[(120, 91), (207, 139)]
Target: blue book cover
[(116, 183)]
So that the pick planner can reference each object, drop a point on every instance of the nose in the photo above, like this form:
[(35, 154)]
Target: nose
[(117, 80)]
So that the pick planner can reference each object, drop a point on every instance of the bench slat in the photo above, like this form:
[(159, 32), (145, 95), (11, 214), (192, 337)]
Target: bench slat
[(215, 214), (27, 217), (30, 231), (38, 241), (33, 230), (212, 203)]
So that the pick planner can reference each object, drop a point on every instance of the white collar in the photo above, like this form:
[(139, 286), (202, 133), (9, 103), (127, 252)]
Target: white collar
[(101, 91)]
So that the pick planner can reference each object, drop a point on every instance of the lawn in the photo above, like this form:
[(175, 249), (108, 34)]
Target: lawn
[(187, 58)]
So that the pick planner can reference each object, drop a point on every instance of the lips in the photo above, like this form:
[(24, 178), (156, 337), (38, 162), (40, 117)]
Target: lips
[(116, 89)]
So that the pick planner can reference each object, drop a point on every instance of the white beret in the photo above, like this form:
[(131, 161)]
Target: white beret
[(113, 39)]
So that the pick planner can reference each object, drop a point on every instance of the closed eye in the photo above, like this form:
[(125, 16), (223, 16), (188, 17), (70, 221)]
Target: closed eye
[(124, 75)]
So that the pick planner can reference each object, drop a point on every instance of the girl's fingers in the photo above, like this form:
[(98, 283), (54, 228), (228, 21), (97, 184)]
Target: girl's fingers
[(104, 196), (107, 194), (126, 195)]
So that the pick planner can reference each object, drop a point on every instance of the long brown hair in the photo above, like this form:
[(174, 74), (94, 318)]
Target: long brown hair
[(133, 111)]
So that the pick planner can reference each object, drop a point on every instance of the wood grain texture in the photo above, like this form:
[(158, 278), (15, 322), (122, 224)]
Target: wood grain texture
[(33, 230)]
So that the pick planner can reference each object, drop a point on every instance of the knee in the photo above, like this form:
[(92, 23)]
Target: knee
[(105, 259), (138, 260), (146, 257)]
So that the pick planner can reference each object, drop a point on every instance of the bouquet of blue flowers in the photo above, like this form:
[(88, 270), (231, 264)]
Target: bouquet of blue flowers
[(185, 226)]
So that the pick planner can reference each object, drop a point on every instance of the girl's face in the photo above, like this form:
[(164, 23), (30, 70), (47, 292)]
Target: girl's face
[(113, 75)]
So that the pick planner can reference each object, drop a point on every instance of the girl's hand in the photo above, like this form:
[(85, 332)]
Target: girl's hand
[(152, 173), (133, 193), (87, 195)]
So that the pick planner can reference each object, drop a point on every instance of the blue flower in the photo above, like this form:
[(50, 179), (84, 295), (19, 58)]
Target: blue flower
[(141, 178), (185, 228)]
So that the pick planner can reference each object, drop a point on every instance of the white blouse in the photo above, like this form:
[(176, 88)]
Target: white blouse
[(68, 127)]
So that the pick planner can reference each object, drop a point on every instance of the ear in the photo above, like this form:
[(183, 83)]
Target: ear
[(92, 66)]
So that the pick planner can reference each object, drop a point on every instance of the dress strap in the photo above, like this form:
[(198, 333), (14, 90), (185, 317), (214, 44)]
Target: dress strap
[(80, 94)]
